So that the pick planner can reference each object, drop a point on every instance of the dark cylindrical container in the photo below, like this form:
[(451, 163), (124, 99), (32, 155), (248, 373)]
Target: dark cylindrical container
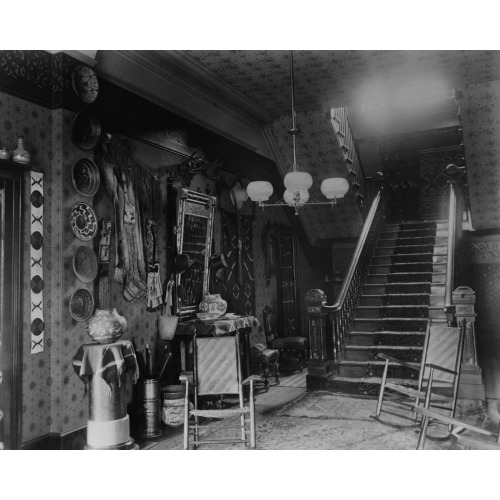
[(147, 402)]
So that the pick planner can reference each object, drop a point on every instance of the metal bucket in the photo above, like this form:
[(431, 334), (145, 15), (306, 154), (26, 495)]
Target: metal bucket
[(147, 399)]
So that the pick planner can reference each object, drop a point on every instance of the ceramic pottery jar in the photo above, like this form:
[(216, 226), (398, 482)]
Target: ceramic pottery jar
[(106, 326), (20, 155), (214, 304)]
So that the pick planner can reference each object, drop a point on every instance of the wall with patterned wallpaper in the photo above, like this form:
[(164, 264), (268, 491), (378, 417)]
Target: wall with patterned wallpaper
[(34, 122), (480, 115), (483, 258)]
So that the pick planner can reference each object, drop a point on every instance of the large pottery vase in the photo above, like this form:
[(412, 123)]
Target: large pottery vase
[(213, 304), (106, 326)]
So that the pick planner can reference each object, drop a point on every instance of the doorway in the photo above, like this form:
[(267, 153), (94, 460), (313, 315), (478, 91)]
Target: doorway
[(10, 308)]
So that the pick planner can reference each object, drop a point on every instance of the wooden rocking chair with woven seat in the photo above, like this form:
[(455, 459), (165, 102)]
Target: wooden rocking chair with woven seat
[(217, 372), (437, 385), (467, 435)]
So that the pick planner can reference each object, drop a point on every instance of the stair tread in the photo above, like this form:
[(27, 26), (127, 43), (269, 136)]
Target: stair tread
[(402, 306), (395, 318), (385, 347), (377, 380), (406, 283), (417, 253), (376, 363), (387, 332), (396, 294)]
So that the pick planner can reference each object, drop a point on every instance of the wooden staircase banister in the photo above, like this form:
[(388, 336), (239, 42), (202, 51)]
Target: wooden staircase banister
[(454, 230), (357, 253), (450, 263)]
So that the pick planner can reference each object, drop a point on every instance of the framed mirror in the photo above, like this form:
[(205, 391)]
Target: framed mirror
[(195, 219)]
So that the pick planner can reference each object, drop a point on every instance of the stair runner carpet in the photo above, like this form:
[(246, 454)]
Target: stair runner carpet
[(404, 288)]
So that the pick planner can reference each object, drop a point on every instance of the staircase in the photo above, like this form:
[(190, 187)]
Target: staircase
[(404, 288)]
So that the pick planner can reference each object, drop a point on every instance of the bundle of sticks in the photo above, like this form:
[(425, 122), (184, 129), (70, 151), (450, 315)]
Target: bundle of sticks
[(150, 366)]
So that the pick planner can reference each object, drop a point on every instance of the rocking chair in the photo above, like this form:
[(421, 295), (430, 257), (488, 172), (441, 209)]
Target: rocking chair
[(466, 440), (437, 379), (217, 372)]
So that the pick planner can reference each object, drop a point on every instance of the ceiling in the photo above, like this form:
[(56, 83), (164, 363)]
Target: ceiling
[(245, 96)]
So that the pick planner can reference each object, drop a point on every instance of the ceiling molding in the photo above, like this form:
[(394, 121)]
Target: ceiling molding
[(175, 83)]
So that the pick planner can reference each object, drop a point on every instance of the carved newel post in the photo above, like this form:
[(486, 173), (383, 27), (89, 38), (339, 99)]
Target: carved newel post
[(470, 384), (319, 363)]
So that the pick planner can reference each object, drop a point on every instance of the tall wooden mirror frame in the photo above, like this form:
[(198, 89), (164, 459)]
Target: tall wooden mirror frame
[(195, 223)]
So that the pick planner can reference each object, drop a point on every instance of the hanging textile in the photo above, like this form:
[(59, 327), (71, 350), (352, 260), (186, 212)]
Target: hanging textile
[(154, 294), (37, 319), (237, 246), (104, 295), (135, 193)]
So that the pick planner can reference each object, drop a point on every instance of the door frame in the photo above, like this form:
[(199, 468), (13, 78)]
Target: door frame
[(11, 349)]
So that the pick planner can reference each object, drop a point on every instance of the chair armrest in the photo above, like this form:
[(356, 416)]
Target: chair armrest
[(398, 361), (251, 379), (183, 378), (437, 367)]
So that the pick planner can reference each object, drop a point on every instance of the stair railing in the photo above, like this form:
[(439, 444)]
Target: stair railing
[(343, 311), (454, 231)]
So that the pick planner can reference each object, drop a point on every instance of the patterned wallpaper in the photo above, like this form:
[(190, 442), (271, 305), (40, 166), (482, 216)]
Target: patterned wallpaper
[(318, 153), (336, 78), (480, 110), (34, 122)]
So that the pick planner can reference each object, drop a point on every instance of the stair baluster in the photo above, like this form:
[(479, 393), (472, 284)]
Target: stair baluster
[(342, 312)]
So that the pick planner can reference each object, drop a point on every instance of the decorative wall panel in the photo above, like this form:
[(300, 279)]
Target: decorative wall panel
[(237, 248), (36, 256)]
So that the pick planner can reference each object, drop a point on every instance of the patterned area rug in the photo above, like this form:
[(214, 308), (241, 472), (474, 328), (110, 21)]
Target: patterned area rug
[(318, 421)]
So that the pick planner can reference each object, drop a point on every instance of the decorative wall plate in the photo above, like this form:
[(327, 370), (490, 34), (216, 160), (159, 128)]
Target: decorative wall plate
[(86, 129), (86, 178), (85, 264), (83, 221), (85, 83), (81, 305)]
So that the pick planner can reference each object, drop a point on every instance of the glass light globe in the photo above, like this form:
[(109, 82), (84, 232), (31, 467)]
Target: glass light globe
[(296, 181), (296, 198), (334, 187), (259, 190)]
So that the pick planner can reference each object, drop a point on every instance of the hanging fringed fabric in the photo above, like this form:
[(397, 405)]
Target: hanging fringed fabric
[(135, 286), (135, 193), (104, 296), (37, 319), (154, 296)]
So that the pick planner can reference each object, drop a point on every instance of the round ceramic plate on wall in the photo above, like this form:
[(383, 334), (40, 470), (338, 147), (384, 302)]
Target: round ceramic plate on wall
[(83, 221), (86, 178), (85, 264), (86, 129), (85, 83), (81, 305)]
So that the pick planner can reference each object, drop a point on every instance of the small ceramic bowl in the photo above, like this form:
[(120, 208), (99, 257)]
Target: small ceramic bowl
[(207, 317)]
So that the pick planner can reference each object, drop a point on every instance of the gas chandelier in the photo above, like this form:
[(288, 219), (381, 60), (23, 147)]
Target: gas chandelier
[(297, 183)]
